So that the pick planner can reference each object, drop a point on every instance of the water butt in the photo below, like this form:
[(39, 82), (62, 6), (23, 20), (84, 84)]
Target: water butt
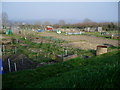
[(101, 49)]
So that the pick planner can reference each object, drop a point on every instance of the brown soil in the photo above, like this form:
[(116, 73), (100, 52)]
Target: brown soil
[(82, 41)]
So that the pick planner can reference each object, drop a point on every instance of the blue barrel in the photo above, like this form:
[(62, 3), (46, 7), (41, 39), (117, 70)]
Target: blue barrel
[(1, 67)]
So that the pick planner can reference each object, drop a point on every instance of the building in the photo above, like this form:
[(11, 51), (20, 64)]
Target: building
[(99, 29), (49, 28)]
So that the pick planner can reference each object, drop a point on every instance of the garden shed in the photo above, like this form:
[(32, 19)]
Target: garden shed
[(49, 28)]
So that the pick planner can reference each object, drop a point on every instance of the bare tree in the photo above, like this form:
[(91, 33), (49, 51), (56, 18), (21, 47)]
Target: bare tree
[(0, 21), (61, 22), (4, 18), (46, 23), (37, 23), (87, 20)]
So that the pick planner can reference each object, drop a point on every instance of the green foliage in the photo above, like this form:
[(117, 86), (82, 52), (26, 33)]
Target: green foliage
[(21, 38), (106, 26), (98, 34)]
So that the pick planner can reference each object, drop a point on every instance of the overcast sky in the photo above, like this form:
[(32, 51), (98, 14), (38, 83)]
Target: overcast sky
[(96, 11)]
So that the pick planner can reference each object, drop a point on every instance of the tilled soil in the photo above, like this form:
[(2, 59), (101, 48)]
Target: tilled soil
[(22, 62), (82, 41)]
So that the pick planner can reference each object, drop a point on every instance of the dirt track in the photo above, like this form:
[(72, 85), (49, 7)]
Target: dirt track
[(82, 41)]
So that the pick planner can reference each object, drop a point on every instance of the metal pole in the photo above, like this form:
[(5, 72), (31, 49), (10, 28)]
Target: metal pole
[(9, 65), (15, 66), (17, 41), (3, 48), (65, 52)]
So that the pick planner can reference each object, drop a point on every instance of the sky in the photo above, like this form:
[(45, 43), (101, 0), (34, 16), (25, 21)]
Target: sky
[(60, 0), (76, 11)]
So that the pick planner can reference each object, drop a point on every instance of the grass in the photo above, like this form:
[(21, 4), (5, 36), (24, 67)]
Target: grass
[(46, 48), (53, 39), (113, 48), (96, 72), (97, 34)]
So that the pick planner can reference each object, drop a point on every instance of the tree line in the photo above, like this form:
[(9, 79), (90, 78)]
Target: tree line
[(107, 26)]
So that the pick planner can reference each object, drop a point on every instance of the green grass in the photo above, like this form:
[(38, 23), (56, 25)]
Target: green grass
[(53, 39), (113, 48), (97, 34), (96, 72)]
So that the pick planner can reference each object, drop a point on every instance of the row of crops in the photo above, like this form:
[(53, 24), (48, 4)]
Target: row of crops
[(43, 51)]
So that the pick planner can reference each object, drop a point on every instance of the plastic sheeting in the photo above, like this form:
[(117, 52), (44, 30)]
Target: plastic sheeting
[(39, 30)]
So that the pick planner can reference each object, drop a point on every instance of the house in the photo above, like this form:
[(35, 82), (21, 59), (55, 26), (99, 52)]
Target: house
[(87, 29)]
